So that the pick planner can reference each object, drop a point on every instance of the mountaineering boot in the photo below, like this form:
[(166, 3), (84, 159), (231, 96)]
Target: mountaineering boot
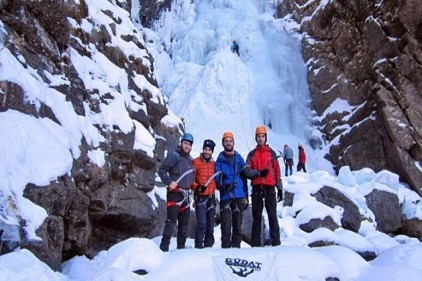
[(164, 248), (165, 242), (199, 245)]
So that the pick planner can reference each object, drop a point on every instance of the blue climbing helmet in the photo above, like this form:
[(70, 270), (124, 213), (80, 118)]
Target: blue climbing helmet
[(187, 137)]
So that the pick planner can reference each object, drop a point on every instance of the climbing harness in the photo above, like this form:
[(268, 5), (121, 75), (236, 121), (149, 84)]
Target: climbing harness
[(184, 192), (205, 202), (227, 207), (206, 184), (186, 196)]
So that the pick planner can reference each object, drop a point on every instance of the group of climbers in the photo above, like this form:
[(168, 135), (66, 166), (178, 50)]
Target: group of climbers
[(229, 175), (288, 160)]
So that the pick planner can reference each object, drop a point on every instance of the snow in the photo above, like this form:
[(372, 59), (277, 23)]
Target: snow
[(215, 91), (337, 104), (284, 262)]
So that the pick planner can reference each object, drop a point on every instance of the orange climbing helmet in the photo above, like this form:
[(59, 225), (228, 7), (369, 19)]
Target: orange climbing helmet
[(228, 135), (261, 130)]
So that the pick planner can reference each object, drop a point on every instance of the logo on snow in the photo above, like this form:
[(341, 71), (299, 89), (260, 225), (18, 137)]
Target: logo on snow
[(243, 267)]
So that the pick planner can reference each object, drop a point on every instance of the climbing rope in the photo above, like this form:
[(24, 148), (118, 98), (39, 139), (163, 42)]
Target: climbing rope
[(241, 111), (250, 101), (250, 106)]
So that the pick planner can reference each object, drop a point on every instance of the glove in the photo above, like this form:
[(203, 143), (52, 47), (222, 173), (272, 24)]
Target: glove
[(201, 188), (263, 173), (246, 203), (279, 195), (279, 190)]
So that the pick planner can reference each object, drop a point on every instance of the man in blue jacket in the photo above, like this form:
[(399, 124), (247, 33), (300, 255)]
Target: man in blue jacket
[(235, 47), (176, 172), (233, 191)]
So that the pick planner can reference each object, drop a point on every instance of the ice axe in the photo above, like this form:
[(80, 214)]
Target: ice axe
[(272, 160), (184, 191), (185, 174), (212, 177), (207, 182)]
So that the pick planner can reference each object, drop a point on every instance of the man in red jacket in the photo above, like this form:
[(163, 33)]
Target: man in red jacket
[(264, 159), (204, 189), (302, 159)]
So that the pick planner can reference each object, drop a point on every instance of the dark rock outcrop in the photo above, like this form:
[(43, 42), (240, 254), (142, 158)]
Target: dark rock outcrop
[(385, 206), (313, 224), (369, 55), (150, 9), (331, 197), (95, 206), (413, 228)]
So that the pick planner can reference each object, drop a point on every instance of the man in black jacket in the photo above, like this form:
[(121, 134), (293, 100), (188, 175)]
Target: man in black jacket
[(176, 172)]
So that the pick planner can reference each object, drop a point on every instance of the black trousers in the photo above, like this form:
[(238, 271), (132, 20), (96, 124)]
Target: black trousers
[(231, 212), (176, 215), (264, 196), (205, 213), (301, 166)]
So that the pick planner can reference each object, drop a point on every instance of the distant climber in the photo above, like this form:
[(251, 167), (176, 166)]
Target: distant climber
[(302, 159), (288, 160), (235, 47)]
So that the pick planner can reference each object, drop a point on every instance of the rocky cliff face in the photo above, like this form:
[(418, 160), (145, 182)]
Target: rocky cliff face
[(369, 54), (150, 9), (93, 207)]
